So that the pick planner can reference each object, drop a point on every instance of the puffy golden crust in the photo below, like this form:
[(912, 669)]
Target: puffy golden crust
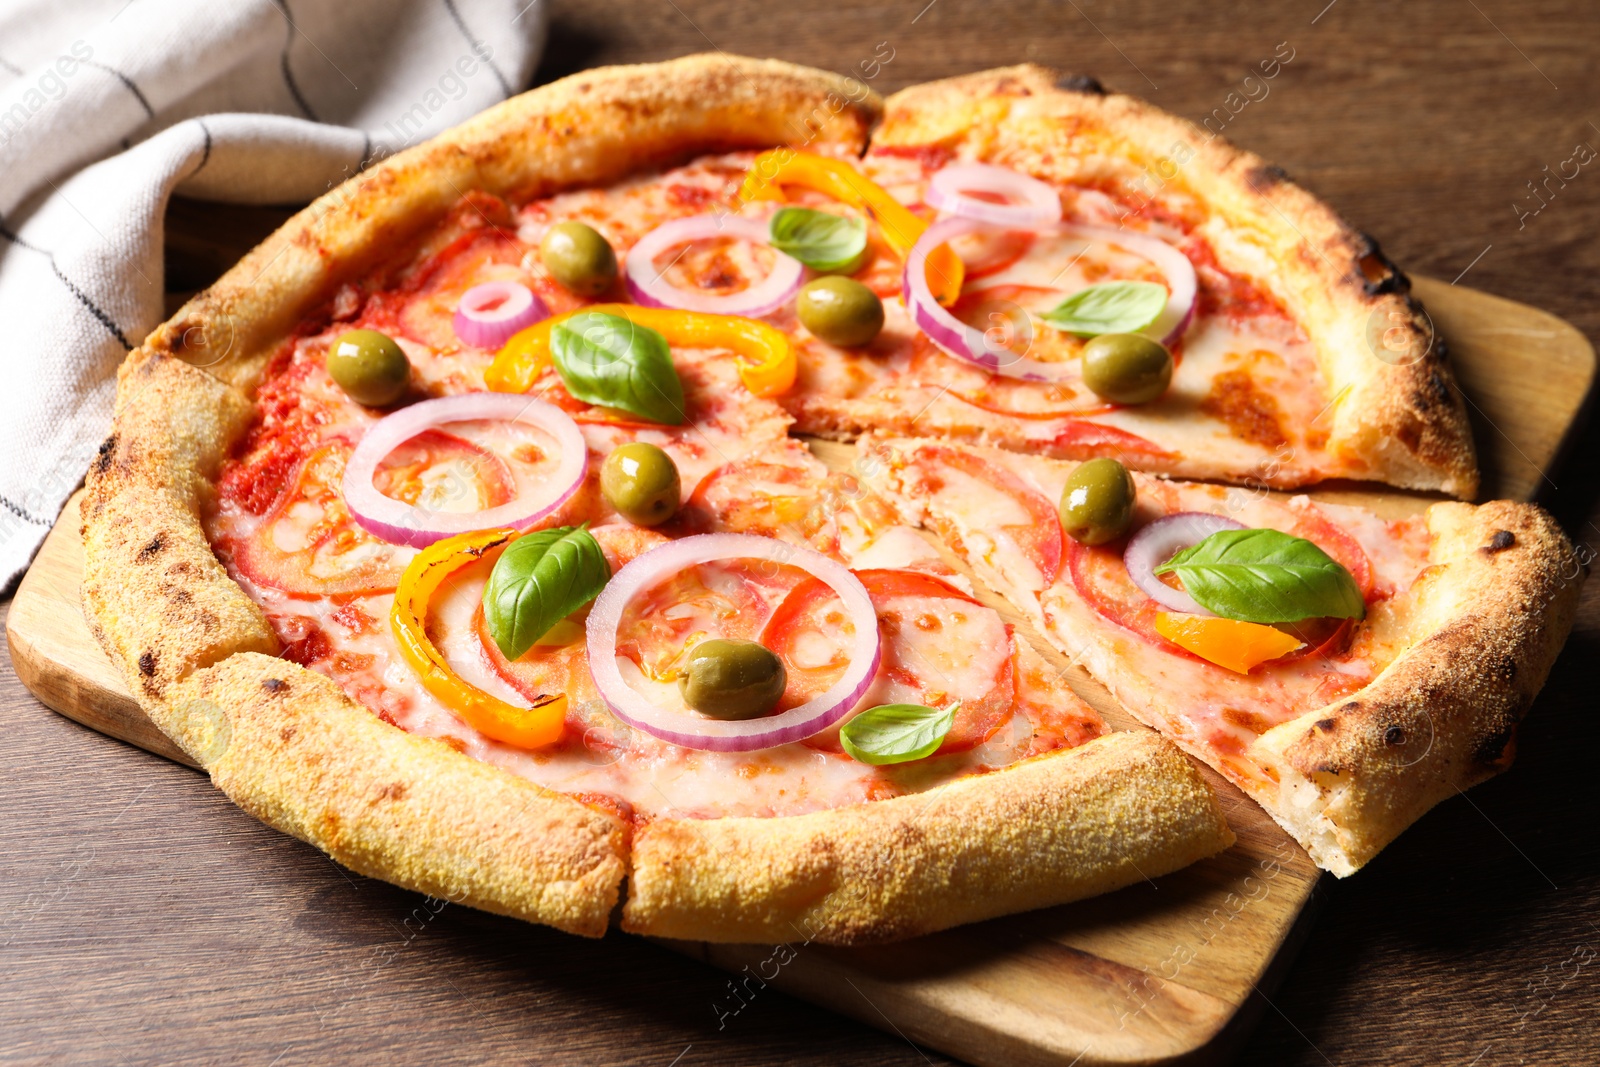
[(1398, 415), (290, 748), (1484, 623), (592, 128), (1088, 820), (153, 592)]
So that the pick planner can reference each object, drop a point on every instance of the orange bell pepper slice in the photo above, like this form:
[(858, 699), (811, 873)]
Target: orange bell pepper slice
[(838, 179), (766, 364), (1238, 646), (530, 727)]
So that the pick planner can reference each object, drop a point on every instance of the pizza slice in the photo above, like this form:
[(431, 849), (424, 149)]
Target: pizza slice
[(1293, 348), (1345, 670)]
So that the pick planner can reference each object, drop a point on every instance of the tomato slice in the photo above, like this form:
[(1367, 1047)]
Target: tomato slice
[(808, 629), (1314, 525), (728, 598), (545, 669), (308, 545), (1038, 537), (755, 497), (442, 471), (986, 253), (1088, 440), (1101, 579)]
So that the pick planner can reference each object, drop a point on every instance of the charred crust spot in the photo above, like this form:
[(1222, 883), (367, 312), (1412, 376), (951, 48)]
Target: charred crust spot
[(1081, 83), (275, 685), (1499, 541), (1506, 670), (392, 791), (1326, 768), (1327, 726), (1265, 177), (1352, 708), (151, 549), (1394, 736), (1493, 748), (1409, 434), (1378, 272), (147, 663), (1436, 391), (105, 454)]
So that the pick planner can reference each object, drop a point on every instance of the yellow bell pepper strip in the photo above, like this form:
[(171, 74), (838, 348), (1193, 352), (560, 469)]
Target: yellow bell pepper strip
[(838, 179), (1238, 646), (531, 727), (766, 365)]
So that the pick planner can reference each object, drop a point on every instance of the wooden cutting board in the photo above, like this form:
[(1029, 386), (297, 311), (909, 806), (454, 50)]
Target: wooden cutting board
[(1173, 969)]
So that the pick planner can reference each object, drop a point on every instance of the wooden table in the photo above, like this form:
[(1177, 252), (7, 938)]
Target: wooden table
[(147, 920)]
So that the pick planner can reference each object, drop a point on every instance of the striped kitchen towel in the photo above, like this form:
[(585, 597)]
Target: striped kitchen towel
[(108, 108)]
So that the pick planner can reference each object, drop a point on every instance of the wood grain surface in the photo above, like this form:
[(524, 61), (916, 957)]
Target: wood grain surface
[(147, 920)]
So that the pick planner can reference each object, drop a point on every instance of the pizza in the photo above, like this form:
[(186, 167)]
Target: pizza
[(472, 528), (1345, 727), (1301, 356)]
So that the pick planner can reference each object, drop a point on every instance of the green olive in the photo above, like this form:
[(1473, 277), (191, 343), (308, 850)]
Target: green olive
[(1097, 504), (841, 311), (641, 482), (1127, 368), (732, 679), (370, 367), (579, 258)]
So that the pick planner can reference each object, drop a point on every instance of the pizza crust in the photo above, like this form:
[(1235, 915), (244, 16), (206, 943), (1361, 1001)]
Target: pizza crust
[(592, 128), (1088, 820), (291, 748), (1400, 419), (1488, 619)]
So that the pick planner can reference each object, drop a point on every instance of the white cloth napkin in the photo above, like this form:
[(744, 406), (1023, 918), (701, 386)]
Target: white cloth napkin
[(108, 107)]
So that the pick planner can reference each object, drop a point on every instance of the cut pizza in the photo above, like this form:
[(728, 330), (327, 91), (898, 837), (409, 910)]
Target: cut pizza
[(460, 530), (1345, 671)]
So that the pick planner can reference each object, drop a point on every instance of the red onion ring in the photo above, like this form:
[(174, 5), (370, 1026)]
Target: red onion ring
[(649, 287), (1160, 541), (1037, 204), (490, 313), (689, 730), (1182, 284), (405, 524), (957, 339)]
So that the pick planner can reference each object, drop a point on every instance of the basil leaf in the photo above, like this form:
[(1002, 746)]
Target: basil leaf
[(897, 733), (1109, 307), (540, 579), (608, 360), (1266, 576), (819, 240)]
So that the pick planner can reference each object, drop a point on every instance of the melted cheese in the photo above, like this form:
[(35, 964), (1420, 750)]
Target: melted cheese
[(1204, 705), (943, 647), (1248, 400)]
